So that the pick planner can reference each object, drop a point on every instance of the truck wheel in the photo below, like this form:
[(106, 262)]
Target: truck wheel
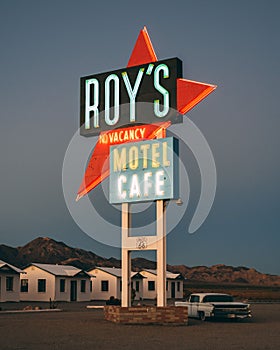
[(201, 316)]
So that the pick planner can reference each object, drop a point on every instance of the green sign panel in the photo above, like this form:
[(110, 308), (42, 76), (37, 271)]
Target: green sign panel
[(144, 171)]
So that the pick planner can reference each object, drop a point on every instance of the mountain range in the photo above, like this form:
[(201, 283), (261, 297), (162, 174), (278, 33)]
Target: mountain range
[(47, 250)]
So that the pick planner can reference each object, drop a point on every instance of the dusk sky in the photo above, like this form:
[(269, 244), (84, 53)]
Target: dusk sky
[(48, 45)]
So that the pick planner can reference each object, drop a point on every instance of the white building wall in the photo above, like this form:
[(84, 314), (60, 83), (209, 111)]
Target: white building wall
[(153, 294), (139, 294), (178, 293), (113, 285), (83, 296), (62, 296), (9, 295), (118, 288), (149, 294), (66, 295), (168, 289), (33, 274)]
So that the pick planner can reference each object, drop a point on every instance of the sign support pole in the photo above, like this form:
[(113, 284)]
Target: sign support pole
[(128, 245), (126, 257), (161, 252), (161, 243)]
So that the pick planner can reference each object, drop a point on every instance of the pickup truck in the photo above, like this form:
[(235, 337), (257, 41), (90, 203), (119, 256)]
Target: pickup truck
[(215, 305)]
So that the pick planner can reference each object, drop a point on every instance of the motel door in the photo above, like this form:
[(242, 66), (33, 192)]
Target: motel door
[(73, 291), (173, 290)]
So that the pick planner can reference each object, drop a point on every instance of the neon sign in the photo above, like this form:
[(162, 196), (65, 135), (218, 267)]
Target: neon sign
[(147, 91), (123, 135), (113, 99), (144, 171)]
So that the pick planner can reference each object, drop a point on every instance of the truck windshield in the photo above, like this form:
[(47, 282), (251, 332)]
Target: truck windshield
[(217, 298)]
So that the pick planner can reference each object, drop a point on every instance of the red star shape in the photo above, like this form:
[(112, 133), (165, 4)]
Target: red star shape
[(189, 93)]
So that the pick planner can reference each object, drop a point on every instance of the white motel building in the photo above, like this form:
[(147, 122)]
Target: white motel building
[(42, 282), (45, 282), (9, 282), (174, 284), (107, 283)]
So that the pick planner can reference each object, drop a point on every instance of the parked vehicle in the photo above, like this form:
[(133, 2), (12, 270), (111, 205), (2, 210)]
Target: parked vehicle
[(215, 305)]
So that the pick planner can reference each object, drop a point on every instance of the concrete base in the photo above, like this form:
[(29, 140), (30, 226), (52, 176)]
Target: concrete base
[(169, 315)]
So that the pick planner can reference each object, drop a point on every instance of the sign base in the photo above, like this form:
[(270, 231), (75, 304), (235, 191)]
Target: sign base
[(166, 315)]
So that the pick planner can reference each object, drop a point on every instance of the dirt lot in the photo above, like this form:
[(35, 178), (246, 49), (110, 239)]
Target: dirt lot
[(78, 328)]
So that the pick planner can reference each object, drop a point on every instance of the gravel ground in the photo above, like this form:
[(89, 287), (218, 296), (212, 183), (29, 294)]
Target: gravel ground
[(79, 328)]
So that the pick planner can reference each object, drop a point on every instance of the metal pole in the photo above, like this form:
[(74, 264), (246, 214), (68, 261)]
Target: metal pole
[(161, 253), (126, 258)]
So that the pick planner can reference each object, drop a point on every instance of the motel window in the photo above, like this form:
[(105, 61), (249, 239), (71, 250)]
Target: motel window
[(62, 286), (151, 285), (120, 285), (104, 286), (24, 285), (137, 286), (41, 285), (83, 286), (90, 286), (178, 286), (166, 285), (9, 284)]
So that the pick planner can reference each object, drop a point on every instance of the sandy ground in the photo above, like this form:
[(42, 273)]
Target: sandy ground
[(79, 328)]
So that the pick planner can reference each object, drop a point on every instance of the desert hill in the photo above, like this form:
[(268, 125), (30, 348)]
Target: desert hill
[(226, 274), (47, 250)]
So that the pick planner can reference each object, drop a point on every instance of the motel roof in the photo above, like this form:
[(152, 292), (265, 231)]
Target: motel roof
[(60, 270), (117, 272), (169, 275), (4, 266)]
